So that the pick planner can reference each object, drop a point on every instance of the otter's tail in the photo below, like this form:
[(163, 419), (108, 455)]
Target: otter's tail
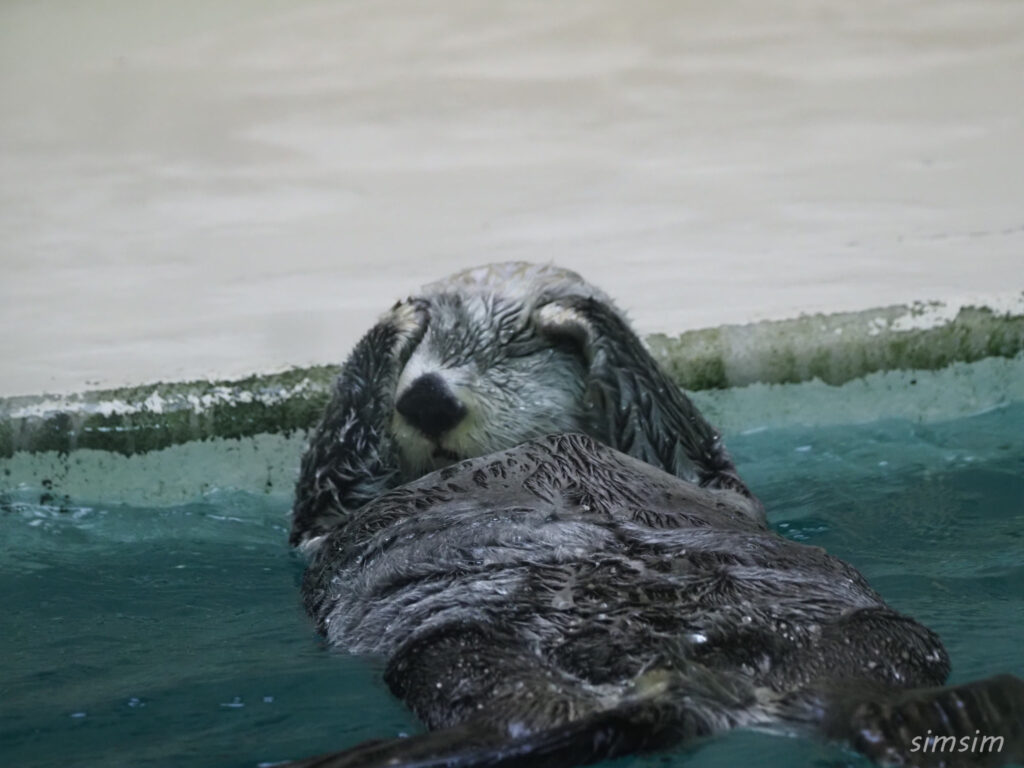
[(639, 726)]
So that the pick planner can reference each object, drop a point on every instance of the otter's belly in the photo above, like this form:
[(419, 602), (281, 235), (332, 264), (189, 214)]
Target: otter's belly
[(603, 567)]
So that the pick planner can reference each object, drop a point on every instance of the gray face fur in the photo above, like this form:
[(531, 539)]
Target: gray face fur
[(489, 338), (513, 383)]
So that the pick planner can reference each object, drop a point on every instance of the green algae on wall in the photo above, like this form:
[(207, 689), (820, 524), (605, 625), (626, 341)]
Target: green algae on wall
[(269, 463), (838, 348), (829, 348), (140, 419)]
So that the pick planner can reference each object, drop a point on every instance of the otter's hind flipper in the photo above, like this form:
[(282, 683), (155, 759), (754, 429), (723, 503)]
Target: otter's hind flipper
[(980, 723), (639, 726)]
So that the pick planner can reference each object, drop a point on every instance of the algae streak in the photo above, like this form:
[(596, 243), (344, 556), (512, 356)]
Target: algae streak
[(830, 348), (838, 348)]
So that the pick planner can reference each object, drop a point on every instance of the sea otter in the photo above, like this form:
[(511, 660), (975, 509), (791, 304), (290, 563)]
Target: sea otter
[(485, 360), (561, 599)]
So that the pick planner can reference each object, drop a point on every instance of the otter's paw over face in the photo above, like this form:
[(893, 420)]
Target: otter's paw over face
[(409, 319), (486, 375)]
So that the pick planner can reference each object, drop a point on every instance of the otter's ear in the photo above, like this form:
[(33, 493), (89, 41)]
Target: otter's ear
[(566, 321)]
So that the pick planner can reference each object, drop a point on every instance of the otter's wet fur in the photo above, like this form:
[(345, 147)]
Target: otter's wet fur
[(523, 350), (558, 601)]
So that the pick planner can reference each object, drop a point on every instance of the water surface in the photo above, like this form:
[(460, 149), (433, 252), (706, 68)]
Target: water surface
[(174, 636)]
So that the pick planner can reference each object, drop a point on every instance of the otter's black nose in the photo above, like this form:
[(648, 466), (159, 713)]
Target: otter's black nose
[(430, 406)]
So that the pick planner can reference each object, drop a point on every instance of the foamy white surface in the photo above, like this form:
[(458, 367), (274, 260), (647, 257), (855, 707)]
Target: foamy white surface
[(201, 189)]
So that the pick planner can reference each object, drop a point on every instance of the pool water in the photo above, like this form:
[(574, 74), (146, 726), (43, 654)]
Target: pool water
[(174, 636)]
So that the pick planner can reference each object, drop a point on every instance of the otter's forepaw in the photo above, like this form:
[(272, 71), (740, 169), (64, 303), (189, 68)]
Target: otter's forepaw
[(409, 319)]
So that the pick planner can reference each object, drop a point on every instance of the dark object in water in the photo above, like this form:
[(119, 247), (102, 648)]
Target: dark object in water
[(561, 602)]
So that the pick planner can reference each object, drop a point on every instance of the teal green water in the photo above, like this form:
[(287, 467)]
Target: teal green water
[(174, 636)]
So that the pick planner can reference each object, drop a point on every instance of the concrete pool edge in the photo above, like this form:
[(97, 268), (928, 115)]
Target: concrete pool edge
[(832, 349)]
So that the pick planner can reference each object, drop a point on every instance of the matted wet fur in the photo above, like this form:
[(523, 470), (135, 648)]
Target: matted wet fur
[(559, 602), (508, 352)]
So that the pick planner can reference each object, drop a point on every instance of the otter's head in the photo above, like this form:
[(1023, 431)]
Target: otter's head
[(483, 361), (498, 363)]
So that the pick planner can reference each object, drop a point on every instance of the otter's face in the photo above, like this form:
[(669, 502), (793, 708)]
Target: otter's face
[(485, 376)]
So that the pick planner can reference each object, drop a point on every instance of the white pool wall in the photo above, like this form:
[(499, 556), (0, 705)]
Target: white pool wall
[(209, 190)]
